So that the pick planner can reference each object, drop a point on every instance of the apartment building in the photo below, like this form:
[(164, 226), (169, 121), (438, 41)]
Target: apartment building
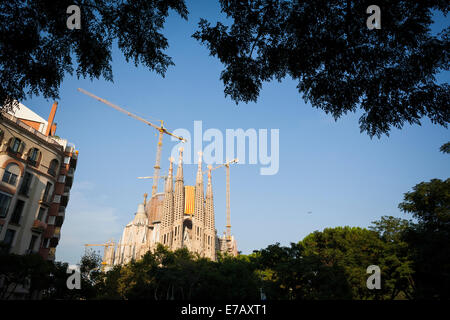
[(36, 173)]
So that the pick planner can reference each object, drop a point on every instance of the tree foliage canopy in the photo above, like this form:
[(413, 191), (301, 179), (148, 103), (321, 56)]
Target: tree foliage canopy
[(340, 65), (37, 49), (413, 256), (429, 238)]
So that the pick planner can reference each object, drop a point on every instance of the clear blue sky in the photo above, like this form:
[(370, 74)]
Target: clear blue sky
[(327, 168)]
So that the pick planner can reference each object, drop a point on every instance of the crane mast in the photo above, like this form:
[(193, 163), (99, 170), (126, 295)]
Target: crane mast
[(157, 162), (228, 226), (227, 166)]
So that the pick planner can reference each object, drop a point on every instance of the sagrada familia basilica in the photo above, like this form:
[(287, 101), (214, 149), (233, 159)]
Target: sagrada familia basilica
[(181, 217)]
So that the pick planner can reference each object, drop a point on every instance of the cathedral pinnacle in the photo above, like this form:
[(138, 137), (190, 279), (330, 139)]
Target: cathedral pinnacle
[(199, 171), (169, 182), (180, 165), (209, 186)]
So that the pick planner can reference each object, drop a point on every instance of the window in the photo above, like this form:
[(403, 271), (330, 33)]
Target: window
[(9, 238), (47, 192), (46, 242), (16, 145), (12, 171), (53, 167), (51, 220), (56, 198), (41, 214), (4, 204), (32, 243), (33, 156), (26, 183), (17, 213)]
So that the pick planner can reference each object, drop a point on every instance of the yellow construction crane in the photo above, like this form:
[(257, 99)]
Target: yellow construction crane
[(227, 166), (161, 129), (108, 244)]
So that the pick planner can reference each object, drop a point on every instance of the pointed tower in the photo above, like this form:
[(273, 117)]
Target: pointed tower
[(167, 214), (210, 232), (198, 221), (178, 205)]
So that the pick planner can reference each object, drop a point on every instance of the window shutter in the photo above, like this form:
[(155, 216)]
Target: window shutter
[(21, 147), (11, 142)]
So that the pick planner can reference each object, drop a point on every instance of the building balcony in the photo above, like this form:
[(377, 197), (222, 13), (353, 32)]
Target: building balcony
[(32, 162), (46, 200), (52, 172), (39, 226)]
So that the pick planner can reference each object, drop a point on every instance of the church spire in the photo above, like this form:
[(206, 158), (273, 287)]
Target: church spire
[(198, 221), (167, 210), (210, 230), (199, 179), (178, 205), (180, 165), (169, 181), (209, 186)]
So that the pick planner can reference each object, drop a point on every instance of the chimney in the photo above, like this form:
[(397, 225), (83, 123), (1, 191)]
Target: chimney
[(51, 117)]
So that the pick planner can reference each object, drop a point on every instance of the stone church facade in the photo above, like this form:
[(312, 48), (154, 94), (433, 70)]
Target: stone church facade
[(181, 217)]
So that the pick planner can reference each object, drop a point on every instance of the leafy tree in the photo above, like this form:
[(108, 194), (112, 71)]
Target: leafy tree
[(445, 148), (90, 273), (288, 273), (37, 49), (396, 260), (340, 64), (352, 250), (108, 285), (429, 203), (181, 275), (30, 272)]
